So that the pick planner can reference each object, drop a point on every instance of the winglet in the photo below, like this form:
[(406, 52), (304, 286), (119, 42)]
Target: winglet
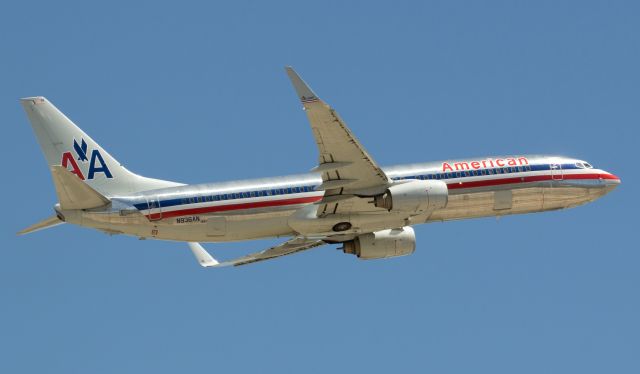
[(304, 92), (203, 257)]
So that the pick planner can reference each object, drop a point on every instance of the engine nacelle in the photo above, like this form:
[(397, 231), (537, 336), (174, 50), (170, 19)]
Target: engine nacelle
[(382, 244), (416, 196)]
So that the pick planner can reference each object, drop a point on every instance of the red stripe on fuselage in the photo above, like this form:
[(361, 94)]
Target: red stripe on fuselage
[(251, 205), (527, 179)]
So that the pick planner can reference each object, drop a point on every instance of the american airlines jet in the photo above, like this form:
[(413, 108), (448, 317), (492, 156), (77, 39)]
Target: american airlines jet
[(346, 199)]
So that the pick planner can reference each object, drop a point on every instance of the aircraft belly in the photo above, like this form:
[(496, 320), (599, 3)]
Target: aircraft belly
[(222, 228), (471, 204)]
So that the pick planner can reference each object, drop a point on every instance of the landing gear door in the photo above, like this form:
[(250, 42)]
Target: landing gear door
[(155, 210), (556, 172)]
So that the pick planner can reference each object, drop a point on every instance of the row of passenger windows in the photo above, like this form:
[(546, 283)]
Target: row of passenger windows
[(470, 173), (292, 190), (248, 194)]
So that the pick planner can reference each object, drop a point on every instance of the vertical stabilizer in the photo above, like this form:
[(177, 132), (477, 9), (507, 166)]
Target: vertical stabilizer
[(65, 144)]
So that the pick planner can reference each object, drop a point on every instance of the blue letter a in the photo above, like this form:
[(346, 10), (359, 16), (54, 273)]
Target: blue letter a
[(95, 155)]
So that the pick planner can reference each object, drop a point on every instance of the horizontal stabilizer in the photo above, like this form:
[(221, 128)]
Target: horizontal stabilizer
[(73, 193), (47, 223)]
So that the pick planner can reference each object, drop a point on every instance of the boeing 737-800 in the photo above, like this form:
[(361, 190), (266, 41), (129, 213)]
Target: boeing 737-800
[(347, 198)]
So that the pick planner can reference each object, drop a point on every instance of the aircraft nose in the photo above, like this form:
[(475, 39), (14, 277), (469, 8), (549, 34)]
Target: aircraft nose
[(611, 181)]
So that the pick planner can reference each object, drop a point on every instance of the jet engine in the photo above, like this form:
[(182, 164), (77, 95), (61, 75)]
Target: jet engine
[(416, 196), (382, 244)]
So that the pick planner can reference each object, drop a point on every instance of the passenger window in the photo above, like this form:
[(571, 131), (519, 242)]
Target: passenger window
[(191, 200)]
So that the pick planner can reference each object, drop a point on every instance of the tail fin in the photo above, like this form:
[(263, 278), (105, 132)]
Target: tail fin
[(63, 143)]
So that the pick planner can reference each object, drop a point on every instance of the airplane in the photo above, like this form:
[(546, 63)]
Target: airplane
[(347, 199)]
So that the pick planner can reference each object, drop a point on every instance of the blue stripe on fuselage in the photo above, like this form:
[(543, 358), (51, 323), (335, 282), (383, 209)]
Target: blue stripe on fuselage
[(211, 197)]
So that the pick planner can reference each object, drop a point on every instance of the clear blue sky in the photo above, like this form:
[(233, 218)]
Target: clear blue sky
[(196, 92)]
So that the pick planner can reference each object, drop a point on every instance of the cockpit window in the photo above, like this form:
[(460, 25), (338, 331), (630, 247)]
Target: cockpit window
[(588, 165), (580, 165)]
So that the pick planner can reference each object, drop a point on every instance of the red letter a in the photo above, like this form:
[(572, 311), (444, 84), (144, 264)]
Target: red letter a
[(67, 158)]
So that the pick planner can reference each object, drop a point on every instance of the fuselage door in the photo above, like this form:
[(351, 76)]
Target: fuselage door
[(556, 172), (155, 210)]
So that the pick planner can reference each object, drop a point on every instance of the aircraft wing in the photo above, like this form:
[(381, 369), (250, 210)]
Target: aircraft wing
[(289, 247), (346, 167)]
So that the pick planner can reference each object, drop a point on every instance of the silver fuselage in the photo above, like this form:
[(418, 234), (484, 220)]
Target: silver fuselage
[(263, 208)]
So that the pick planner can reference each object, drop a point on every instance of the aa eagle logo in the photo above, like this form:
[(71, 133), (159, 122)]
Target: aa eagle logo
[(96, 162)]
